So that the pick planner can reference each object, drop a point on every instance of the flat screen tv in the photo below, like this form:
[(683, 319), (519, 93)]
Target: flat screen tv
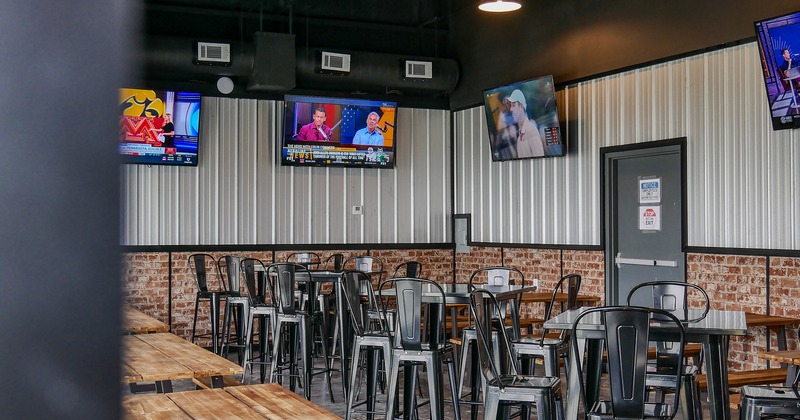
[(779, 44), (523, 120), (355, 133), (159, 127)]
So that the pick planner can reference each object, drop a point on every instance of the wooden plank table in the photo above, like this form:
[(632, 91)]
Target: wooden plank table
[(262, 401), (163, 357), (135, 321), (776, 324), (544, 297), (789, 357)]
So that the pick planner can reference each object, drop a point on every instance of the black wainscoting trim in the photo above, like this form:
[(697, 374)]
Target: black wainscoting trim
[(538, 246), (762, 252)]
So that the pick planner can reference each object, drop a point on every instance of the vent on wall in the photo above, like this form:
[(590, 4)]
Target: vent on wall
[(419, 69), (213, 53), (335, 62)]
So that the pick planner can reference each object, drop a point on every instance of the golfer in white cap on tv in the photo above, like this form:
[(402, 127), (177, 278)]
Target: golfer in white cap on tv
[(529, 142)]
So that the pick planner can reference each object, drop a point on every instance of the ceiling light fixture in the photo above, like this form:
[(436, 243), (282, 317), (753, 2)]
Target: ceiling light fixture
[(499, 6)]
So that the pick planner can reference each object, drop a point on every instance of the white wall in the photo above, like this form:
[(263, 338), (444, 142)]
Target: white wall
[(239, 195), (743, 177)]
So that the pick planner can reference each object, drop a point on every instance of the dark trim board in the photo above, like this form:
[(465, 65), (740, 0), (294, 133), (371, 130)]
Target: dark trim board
[(761, 252), (539, 246)]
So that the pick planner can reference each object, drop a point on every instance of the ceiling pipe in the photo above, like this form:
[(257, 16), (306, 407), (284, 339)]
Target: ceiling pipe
[(172, 59)]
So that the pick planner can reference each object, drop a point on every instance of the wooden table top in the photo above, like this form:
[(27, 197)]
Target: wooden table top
[(544, 297), (135, 321), (262, 401), (758, 320), (165, 356), (791, 357)]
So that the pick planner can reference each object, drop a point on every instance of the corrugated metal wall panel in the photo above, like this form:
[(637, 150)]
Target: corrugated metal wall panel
[(239, 193), (743, 178)]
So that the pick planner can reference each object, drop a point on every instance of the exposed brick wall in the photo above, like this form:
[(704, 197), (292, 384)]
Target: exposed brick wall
[(145, 283), (437, 264), (736, 282), (732, 282), (478, 257)]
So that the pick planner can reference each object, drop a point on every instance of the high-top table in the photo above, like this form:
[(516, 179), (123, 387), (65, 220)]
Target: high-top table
[(163, 357), (262, 401), (713, 332), (135, 321)]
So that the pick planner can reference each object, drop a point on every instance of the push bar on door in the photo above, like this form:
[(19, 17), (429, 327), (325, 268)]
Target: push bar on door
[(637, 261)]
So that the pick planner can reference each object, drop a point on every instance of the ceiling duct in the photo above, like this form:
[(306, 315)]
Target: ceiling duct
[(265, 66), (377, 73)]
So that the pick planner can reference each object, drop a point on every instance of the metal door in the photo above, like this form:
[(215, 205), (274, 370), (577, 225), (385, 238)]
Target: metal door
[(644, 216)]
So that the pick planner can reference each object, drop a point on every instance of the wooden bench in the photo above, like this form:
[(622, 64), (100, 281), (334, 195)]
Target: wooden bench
[(750, 377), (205, 383), (735, 401)]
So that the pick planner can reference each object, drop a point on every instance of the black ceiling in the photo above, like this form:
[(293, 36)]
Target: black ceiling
[(417, 27)]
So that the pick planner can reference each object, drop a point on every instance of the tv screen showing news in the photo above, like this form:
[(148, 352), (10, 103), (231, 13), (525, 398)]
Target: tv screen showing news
[(356, 133), (522, 119), (159, 127), (779, 45)]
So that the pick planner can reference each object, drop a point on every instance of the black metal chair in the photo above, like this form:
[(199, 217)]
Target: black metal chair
[(671, 296), (373, 267), (205, 270), (627, 333), (297, 324), (773, 401), (410, 349), (408, 269), (260, 304), (547, 347), (502, 382), (236, 306), (376, 342), (497, 275), (334, 262)]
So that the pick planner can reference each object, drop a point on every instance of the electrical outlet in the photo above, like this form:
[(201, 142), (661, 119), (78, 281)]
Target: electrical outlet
[(536, 283), (358, 210)]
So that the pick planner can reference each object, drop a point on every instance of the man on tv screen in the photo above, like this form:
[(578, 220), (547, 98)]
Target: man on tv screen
[(316, 130), (370, 134), (529, 141)]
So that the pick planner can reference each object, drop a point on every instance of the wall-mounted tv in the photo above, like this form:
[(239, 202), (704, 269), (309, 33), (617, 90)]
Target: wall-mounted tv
[(159, 127), (355, 133), (779, 44), (523, 120)]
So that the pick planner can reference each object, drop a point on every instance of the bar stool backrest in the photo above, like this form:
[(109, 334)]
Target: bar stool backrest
[(228, 266), (352, 285), (409, 298), (573, 285), (627, 332), (408, 269), (285, 285), (485, 310), (334, 262), (255, 296), (670, 296), (200, 265)]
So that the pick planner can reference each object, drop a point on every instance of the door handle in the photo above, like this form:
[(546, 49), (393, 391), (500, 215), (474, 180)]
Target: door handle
[(619, 261)]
